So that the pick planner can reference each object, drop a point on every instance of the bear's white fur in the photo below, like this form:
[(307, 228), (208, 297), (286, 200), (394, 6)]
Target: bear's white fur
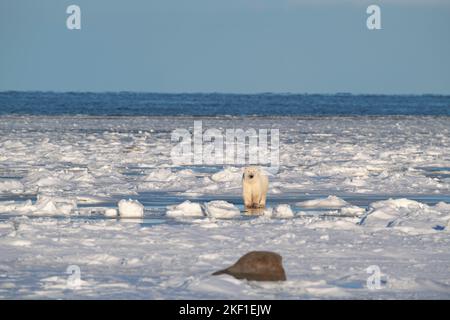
[(254, 188)]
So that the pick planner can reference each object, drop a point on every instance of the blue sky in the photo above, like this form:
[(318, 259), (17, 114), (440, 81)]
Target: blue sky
[(241, 46)]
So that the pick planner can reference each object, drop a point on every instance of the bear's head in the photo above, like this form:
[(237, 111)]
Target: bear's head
[(251, 174)]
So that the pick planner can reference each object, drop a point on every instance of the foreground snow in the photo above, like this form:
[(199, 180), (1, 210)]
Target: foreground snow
[(322, 259)]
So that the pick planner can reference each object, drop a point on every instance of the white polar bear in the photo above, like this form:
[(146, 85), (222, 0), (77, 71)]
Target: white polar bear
[(254, 188)]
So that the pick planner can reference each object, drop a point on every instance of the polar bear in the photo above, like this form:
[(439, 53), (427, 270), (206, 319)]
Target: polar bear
[(254, 188)]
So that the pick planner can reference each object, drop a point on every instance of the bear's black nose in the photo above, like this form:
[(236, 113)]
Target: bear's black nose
[(251, 176)]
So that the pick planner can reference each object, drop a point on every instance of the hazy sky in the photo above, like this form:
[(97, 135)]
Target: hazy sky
[(226, 46)]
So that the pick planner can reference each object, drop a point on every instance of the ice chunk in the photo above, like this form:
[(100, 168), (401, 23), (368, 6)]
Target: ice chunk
[(221, 209), (185, 209), (110, 212), (186, 173), (45, 205), (54, 205), (329, 202), (352, 211), (161, 175), (130, 209), (283, 211), (267, 212), (16, 207), (228, 174)]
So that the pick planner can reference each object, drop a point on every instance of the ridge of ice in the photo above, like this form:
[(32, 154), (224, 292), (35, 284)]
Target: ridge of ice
[(328, 202)]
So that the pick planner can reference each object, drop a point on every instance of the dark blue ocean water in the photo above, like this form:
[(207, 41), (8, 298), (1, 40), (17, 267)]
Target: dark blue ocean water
[(129, 103)]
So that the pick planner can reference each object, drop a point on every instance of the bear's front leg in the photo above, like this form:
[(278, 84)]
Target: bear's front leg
[(248, 202), (262, 202)]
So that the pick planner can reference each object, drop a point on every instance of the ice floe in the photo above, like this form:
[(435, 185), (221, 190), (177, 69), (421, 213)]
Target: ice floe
[(130, 209)]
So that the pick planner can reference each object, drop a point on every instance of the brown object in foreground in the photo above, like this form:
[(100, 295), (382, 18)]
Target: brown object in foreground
[(257, 266)]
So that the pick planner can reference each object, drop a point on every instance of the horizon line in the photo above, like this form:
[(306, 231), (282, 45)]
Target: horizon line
[(338, 93)]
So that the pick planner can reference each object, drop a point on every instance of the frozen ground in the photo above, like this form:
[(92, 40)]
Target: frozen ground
[(330, 218)]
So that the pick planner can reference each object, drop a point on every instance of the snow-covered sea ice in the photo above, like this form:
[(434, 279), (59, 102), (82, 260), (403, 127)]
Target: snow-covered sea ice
[(350, 192)]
